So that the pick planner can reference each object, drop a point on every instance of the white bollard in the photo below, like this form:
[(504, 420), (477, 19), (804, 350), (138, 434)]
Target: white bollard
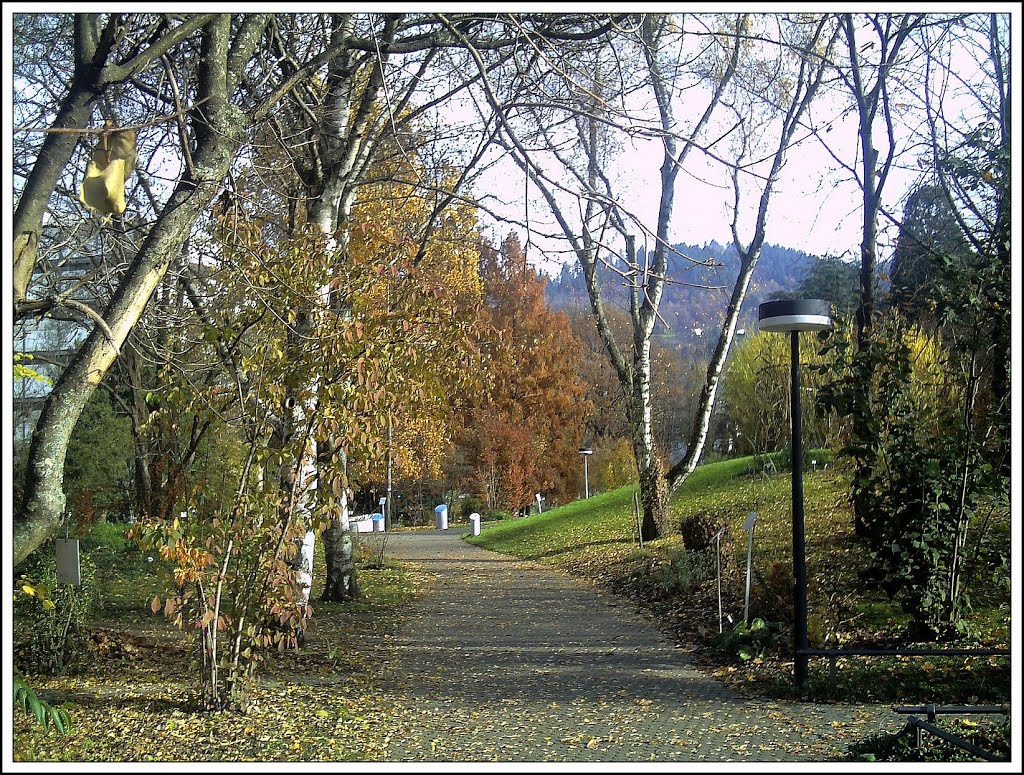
[(474, 521), (441, 515)]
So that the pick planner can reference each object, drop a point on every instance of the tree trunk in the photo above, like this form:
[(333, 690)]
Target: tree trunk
[(653, 499), (342, 583), (91, 51), (709, 392), (653, 492), (42, 509), (138, 412)]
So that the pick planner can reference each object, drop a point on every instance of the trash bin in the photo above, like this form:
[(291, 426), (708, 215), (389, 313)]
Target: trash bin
[(474, 522), (441, 515), (378, 523)]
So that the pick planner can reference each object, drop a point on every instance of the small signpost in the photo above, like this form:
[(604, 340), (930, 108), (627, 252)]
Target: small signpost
[(749, 527)]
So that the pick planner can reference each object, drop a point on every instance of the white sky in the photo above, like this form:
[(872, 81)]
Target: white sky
[(815, 207)]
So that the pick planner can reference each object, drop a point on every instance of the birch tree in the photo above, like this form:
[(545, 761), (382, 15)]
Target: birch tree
[(874, 48), (381, 80), (563, 138), (810, 41)]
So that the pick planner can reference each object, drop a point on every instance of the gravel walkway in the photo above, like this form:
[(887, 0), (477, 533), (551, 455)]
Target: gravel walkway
[(504, 660)]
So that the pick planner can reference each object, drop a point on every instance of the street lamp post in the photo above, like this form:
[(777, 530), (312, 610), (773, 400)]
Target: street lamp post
[(586, 481), (794, 316)]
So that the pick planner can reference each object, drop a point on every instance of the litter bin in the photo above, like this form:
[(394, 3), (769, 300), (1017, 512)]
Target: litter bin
[(474, 521), (378, 523), (441, 515)]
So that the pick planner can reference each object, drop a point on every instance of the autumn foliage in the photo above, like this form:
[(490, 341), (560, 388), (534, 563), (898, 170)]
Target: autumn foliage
[(521, 432)]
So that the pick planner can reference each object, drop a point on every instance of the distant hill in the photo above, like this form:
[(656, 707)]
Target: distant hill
[(695, 300)]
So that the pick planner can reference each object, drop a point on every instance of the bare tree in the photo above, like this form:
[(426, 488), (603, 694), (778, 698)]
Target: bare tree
[(791, 96), (562, 136), (104, 57)]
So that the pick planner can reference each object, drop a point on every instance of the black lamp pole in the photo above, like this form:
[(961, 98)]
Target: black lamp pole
[(794, 316), (800, 642)]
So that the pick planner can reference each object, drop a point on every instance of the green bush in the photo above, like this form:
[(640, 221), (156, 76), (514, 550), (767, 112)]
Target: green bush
[(106, 536), (683, 573), (749, 640), (54, 640)]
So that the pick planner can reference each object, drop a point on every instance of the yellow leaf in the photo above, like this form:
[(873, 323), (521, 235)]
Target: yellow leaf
[(48, 605), (28, 590)]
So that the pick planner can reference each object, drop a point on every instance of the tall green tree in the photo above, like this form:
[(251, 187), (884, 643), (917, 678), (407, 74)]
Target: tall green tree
[(929, 404), (929, 236)]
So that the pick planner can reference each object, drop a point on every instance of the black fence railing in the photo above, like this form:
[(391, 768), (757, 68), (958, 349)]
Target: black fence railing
[(917, 726), (834, 654)]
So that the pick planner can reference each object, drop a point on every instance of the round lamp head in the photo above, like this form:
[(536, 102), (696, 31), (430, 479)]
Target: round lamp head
[(794, 315)]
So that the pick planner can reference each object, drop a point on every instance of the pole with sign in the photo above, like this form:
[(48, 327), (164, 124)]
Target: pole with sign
[(718, 564)]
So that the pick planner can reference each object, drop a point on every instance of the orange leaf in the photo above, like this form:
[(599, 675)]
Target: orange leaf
[(155, 605)]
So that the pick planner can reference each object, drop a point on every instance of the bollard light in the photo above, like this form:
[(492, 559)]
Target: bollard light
[(794, 316)]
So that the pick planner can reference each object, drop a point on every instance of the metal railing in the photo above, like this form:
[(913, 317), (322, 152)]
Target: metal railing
[(919, 725), (833, 654)]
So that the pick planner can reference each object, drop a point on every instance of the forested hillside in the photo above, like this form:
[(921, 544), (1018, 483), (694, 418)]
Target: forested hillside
[(695, 300)]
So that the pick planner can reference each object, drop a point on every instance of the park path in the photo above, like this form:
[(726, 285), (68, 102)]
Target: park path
[(507, 660)]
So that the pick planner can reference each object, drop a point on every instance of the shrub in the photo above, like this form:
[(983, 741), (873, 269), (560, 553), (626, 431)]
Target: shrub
[(928, 456), (56, 628), (698, 532), (748, 640), (683, 573), (772, 596)]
